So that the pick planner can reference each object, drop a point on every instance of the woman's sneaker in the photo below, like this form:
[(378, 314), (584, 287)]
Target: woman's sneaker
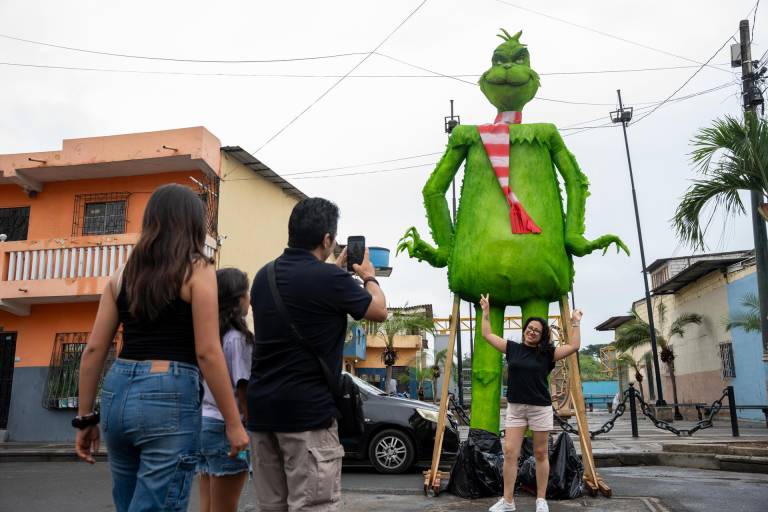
[(541, 505), (503, 506)]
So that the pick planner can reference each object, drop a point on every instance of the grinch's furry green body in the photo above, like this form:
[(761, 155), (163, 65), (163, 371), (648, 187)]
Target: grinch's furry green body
[(480, 250)]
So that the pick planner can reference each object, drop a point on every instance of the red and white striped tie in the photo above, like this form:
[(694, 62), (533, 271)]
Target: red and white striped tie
[(495, 138)]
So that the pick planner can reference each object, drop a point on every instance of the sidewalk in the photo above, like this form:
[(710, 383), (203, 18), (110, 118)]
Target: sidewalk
[(711, 448)]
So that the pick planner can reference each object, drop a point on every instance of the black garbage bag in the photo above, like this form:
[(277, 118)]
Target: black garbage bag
[(566, 472), (479, 468)]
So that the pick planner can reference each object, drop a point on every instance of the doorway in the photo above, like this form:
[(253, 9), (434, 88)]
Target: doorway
[(7, 361)]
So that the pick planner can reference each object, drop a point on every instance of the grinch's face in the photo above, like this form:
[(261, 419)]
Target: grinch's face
[(510, 83)]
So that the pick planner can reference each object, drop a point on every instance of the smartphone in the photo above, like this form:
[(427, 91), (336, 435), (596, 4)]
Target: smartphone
[(355, 251)]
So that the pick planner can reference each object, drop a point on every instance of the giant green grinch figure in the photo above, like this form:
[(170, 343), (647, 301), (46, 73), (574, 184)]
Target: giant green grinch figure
[(511, 237)]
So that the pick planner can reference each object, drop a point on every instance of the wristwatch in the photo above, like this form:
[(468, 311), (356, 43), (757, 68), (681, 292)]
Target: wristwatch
[(86, 421), (370, 280)]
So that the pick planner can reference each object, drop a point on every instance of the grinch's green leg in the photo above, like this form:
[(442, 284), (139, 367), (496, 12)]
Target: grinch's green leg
[(486, 374), (535, 307)]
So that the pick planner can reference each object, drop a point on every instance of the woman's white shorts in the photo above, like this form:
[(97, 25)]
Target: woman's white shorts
[(536, 417)]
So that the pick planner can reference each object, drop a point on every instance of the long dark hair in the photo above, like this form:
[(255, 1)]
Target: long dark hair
[(233, 284), (172, 240), (544, 343)]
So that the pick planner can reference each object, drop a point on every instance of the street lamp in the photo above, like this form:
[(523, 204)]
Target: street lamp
[(624, 116)]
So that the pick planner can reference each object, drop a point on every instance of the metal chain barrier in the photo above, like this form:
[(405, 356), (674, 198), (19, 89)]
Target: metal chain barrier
[(458, 409), (605, 428), (702, 424)]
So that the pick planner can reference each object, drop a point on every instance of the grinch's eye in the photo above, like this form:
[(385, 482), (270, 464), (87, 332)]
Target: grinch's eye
[(520, 60)]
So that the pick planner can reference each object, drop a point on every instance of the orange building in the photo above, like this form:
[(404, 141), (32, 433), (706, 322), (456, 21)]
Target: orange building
[(68, 220)]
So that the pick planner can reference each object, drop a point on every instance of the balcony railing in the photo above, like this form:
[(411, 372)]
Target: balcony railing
[(70, 259), (66, 263)]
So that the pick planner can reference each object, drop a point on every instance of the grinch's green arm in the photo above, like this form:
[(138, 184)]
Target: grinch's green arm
[(577, 190), (438, 214)]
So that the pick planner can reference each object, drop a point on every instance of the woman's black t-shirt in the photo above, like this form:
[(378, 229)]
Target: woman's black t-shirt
[(528, 369)]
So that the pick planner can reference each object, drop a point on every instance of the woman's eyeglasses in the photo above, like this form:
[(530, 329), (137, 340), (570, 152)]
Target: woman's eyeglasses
[(533, 330)]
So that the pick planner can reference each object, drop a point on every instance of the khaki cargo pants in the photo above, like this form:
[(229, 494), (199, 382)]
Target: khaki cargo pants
[(297, 471)]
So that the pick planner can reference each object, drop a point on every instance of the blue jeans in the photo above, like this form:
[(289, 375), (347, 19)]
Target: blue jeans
[(151, 424)]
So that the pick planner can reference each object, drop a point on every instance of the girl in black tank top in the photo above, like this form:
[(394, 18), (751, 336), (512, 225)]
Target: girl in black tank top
[(151, 397)]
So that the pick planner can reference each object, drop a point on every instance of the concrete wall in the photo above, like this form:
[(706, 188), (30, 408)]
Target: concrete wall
[(253, 218), (751, 379), (27, 419), (697, 356)]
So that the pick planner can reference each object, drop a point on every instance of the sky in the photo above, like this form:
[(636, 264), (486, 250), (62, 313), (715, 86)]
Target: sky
[(391, 105)]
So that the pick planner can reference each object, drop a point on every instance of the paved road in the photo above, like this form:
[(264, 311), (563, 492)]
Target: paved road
[(77, 487)]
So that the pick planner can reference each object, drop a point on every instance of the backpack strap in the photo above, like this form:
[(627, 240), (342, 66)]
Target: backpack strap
[(283, 312)]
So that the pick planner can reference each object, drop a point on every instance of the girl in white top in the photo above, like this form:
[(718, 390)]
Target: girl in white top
[(222, 477)]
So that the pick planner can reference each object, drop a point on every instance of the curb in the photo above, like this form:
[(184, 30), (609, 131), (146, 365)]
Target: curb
[(737, 463)]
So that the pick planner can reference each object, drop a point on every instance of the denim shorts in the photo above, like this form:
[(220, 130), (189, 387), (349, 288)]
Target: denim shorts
[(214, 451)]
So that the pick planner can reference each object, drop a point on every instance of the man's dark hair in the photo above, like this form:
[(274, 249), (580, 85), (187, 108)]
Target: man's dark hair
[(310, 220)]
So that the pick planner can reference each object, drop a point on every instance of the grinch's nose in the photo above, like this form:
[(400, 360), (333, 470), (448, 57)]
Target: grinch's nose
[(507, 65)]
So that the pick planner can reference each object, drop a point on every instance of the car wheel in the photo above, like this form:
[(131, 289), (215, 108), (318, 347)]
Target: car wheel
[(391, 451)]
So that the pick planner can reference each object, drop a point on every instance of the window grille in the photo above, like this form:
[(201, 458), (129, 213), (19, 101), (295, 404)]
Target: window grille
[(728, 368), (100, 214), (61, 387), (14, 223)]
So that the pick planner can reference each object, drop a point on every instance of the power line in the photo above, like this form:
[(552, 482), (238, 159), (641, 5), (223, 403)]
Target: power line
[(309, 75), (576, 127), (178, 59), (684, 83), (296, 173), (602, 33), (754, 19), (422, 68), (337, 82)]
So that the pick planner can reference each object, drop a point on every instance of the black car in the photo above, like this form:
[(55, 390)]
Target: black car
[(398, 432)]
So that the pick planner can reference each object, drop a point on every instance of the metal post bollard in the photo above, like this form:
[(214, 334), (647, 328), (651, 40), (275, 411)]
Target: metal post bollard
[(732, 409), (633, 410)]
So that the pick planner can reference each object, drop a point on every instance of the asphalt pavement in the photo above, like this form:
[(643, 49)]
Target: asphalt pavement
[(77, 487)]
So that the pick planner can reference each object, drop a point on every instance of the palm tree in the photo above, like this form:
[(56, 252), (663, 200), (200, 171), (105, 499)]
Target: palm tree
[(748, 319), (742, 164), (399, 323), (418, 373), (637, 333), (627, 359)]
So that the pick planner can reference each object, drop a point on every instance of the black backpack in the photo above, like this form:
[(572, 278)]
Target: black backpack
[(345, 391)]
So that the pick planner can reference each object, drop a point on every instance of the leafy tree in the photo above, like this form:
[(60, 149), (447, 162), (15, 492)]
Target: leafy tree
[(593, 350), (749, 319), (637, 332), (731, 155), (399, 323), (590, 368)]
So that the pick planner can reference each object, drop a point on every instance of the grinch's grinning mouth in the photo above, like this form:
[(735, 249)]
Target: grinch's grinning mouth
[(506, 82)]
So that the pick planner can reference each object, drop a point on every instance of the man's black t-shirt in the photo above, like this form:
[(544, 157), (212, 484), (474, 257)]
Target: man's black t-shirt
[(527, 374), (287, 391)]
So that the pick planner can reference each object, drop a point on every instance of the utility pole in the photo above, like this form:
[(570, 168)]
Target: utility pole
[(452, 122), (752, 98), (624, 116)]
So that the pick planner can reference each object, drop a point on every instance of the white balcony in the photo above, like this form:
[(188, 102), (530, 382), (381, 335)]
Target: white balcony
[(62, 270)]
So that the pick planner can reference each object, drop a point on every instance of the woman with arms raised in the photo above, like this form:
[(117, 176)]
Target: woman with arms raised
[(529, 404)]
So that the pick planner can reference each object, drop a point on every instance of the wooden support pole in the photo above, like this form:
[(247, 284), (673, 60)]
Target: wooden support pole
[(433, 476), (591, 478)]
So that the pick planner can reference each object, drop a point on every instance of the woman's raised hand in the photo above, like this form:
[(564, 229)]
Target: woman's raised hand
[(576, 316), (484, 302)]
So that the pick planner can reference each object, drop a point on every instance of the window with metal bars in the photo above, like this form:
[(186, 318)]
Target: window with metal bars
[(14, 223), (728, 368), (61, 387), (100, 214)]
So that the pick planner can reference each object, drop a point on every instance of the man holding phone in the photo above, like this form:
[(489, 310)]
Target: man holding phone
[(291, 409)]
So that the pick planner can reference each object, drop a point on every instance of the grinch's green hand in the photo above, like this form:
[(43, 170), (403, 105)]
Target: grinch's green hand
[(580, 246), (421, 250)]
